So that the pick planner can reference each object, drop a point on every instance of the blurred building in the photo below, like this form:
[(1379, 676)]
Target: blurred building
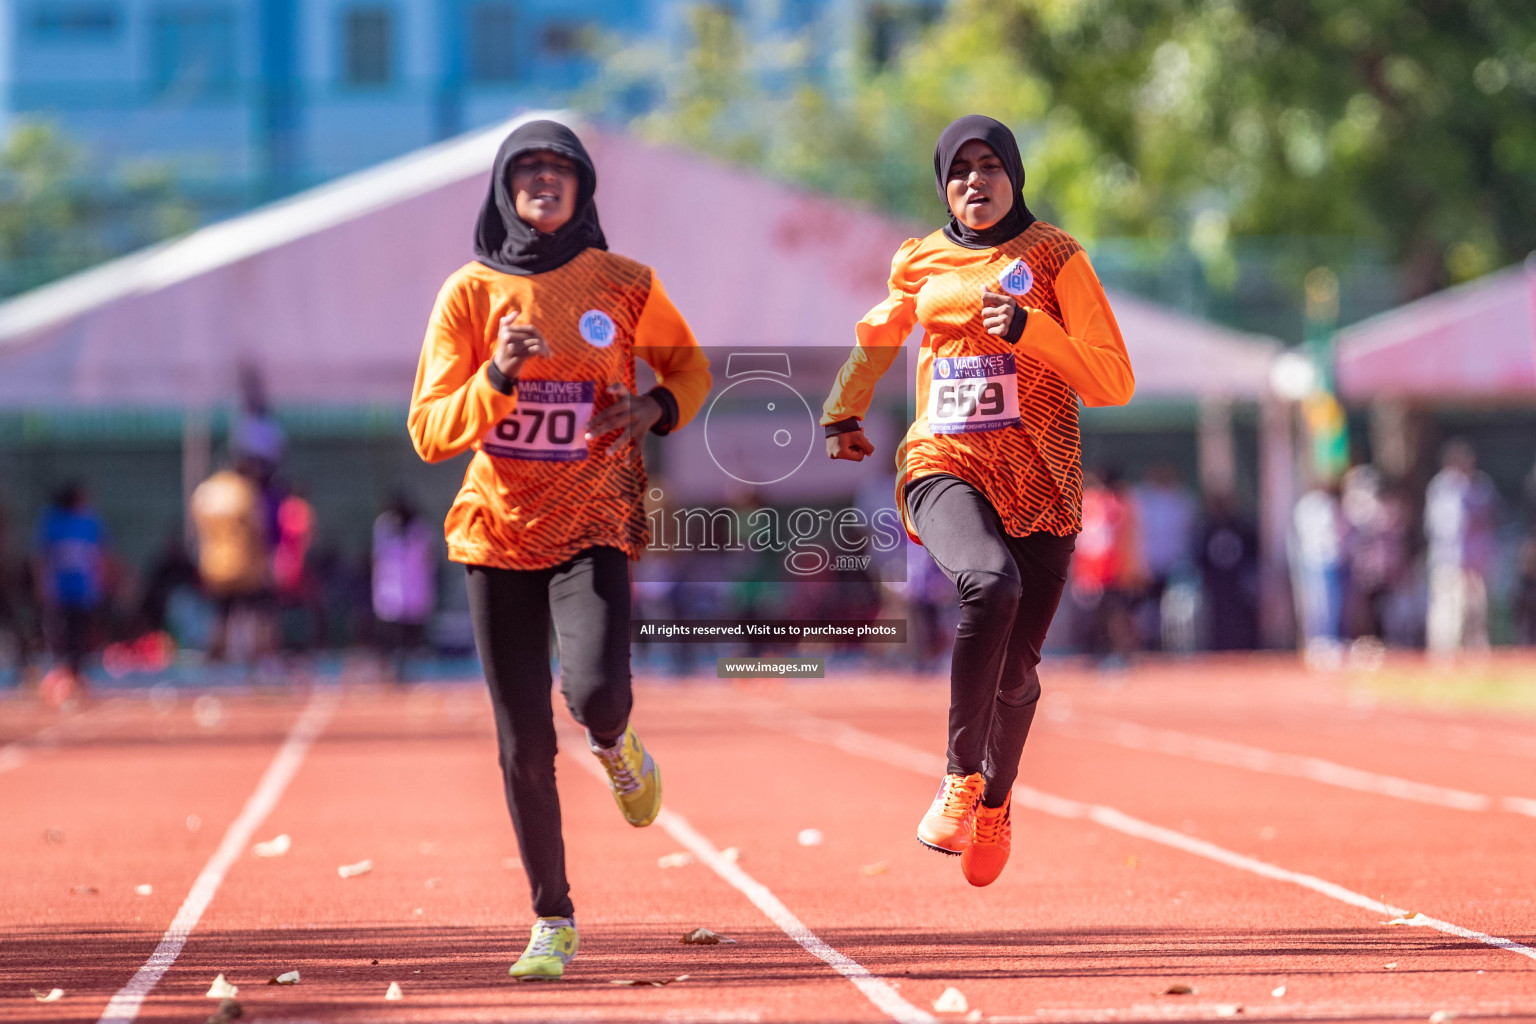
[(252, 99)]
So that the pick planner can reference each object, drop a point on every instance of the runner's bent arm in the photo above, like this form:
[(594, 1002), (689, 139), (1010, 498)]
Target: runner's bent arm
[(458, 395), (1090, 354), (663, 340), (881, 334)]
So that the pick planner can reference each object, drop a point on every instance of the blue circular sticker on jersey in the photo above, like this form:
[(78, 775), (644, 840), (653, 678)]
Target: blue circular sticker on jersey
[(1018, 279), (944, 368), (597, 328)]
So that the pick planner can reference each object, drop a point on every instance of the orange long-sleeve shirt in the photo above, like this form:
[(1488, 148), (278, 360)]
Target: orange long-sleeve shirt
[(1026, 459), (536, 492)]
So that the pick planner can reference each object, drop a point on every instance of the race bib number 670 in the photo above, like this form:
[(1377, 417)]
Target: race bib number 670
[(548, 424), (973, 393)]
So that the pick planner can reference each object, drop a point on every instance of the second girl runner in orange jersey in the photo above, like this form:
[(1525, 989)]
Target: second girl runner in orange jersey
[(529, 361), (1016, 329)]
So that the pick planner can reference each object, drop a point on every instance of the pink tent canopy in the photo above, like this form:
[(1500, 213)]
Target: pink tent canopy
[(1476, 341), (328, 292)]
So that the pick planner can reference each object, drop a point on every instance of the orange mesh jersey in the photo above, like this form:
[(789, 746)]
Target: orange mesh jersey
[(1022, 451), (536, 493)]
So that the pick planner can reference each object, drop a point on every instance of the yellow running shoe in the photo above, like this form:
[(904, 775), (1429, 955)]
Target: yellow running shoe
[(551, 947), (947, 825), (633, 777), (991, 839)]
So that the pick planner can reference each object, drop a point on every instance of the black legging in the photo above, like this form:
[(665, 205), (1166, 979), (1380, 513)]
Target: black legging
[(1009, 588), (587, 598)]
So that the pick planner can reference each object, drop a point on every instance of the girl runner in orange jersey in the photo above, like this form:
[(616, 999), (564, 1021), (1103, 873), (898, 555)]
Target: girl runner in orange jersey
[(1016, 329), (529, 361)]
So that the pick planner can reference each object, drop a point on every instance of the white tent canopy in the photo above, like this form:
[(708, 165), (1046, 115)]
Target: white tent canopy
[(1476, 341), (328, 292)]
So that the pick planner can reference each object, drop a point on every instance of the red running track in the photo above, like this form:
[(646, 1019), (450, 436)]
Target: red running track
[(1145, 858)]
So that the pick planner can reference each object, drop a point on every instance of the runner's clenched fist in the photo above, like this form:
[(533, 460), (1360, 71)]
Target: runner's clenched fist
[(517, 343), (997, 311)]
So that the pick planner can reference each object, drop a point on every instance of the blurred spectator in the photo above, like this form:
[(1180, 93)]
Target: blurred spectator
[(295, 530), (71, 567), (1317, 568), (171, 570), (1460, 516), (228, 514), (1530, 497), (345, 589), (1229, 576), (1525, 592), (1106, 571), (1525, 582), (296, 589), (1375, 551), (1165, 513), (932, 608), (17, 615), (404, 581), (255, 434)]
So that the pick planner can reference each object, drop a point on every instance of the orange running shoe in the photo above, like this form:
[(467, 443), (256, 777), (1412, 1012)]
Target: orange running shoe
[(947, 825), (991, 839)]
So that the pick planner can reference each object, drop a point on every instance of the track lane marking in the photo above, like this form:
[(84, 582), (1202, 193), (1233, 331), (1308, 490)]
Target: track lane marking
[(874, 988), (125, 1005), (16, 753), (856, 741), (1519, 805), (1173, 743), (1449, 735)]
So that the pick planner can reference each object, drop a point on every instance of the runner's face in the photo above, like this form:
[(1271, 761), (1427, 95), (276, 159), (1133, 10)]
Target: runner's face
[(544, 189), (978, 188)]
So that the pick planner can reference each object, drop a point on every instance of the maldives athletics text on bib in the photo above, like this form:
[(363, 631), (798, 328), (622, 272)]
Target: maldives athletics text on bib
[(973, 393), (548, 424)]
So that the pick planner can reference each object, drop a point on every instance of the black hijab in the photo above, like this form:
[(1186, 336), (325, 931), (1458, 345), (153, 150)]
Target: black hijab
[(506, 242), (996, 135)]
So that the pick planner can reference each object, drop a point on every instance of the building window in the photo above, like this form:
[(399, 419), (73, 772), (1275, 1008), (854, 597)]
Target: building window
[(367, 46), (74, 22), (492, 35), (193, 50), (564, 40)]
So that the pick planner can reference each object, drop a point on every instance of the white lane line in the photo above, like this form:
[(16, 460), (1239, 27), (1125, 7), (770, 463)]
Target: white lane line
[(1449, 734), (1173, 743), (1519, 805), (875, 988), (125, 1005), (16, 753), (856, 741)]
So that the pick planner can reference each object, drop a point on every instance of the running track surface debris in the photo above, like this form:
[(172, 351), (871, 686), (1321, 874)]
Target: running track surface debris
[(1243, 830)]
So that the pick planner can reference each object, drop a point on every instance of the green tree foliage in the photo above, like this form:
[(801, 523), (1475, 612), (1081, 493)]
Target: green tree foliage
[(39, 214), (1405, 125), (52, 223)]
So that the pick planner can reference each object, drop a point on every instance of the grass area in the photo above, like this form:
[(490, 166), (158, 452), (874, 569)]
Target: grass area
[(1504, 683)]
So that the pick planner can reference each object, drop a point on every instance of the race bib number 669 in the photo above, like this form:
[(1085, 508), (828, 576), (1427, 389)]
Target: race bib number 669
[(973, 393), (548, 424)]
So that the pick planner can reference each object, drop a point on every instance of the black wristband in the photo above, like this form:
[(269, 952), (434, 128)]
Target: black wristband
[(669, 411), (846, 426), (500, 381), (1016, 324)]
